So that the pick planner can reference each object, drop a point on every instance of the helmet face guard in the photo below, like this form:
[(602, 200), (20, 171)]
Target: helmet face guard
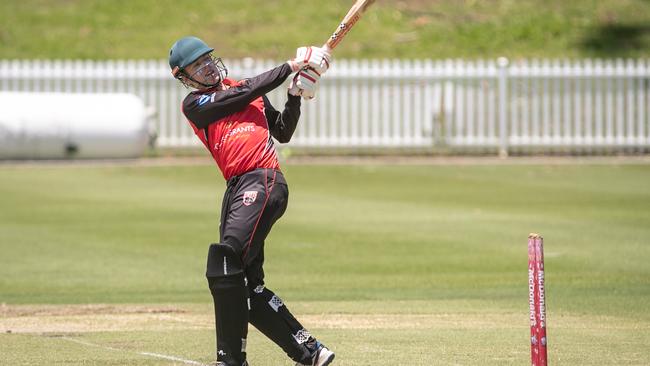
[(211, 72)]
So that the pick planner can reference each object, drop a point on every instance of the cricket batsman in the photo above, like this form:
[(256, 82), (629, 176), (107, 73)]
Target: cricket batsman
[(237, 123)]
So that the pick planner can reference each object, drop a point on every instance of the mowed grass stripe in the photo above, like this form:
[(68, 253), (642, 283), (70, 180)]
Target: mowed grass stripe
[(382, 232)]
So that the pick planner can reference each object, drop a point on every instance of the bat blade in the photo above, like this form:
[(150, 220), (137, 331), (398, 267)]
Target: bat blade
[(350, 19)]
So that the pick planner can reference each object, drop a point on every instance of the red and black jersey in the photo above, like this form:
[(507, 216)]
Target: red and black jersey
[(236, 124)]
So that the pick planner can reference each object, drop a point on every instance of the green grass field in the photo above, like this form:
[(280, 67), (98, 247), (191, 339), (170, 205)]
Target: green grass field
[(97, 29), (387, 264)]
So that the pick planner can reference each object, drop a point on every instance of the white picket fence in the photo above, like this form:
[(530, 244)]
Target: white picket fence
[(539, 105)]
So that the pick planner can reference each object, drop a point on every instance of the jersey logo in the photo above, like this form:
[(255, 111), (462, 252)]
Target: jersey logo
[(249, 197), (206, 98)]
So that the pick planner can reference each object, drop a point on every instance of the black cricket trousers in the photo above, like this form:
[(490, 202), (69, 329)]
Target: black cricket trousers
[(252, 203)]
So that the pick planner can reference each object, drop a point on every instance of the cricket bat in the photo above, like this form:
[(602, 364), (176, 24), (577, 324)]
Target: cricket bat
[(350, 19)]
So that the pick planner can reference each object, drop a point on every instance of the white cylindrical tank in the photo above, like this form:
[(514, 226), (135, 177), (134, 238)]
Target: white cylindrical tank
[(64, 125)]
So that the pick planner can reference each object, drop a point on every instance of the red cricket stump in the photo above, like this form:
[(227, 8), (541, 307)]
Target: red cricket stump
[(537, 300)]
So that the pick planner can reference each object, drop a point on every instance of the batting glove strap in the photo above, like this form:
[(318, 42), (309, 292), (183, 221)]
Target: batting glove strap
[(317, 58), (304, 83)]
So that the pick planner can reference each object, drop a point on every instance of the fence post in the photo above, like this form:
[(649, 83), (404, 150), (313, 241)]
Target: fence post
[(502, 65)]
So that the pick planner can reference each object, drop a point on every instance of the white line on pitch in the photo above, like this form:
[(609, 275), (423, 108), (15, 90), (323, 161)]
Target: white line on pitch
[(148, 354), (170, 358)]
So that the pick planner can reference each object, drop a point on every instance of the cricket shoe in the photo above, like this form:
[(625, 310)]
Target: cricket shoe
[(322, 356)]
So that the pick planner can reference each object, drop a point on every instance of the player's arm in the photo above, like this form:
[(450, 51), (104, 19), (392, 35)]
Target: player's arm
[(282, 125), (205, 109)]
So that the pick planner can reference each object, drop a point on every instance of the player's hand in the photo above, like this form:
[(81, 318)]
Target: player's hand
[(304, 83), (317, 58)]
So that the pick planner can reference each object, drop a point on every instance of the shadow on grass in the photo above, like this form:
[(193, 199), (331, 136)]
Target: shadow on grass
[(617, 40)]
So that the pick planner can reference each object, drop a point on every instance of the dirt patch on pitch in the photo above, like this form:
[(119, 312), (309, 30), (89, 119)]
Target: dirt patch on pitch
[(96, 318), (66, 319), (75, 310), (93, 318)]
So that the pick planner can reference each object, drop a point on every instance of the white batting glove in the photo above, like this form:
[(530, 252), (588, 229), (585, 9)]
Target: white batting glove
[(304, 83), (317, 58), (293, 88)]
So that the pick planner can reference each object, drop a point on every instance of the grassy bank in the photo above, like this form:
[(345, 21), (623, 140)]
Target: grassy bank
[(272, 29)]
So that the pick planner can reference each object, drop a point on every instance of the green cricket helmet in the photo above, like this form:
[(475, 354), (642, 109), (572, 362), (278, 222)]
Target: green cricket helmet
[(187, 50)]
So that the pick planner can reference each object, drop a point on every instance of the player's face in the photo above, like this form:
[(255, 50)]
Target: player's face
[(204, 70)]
